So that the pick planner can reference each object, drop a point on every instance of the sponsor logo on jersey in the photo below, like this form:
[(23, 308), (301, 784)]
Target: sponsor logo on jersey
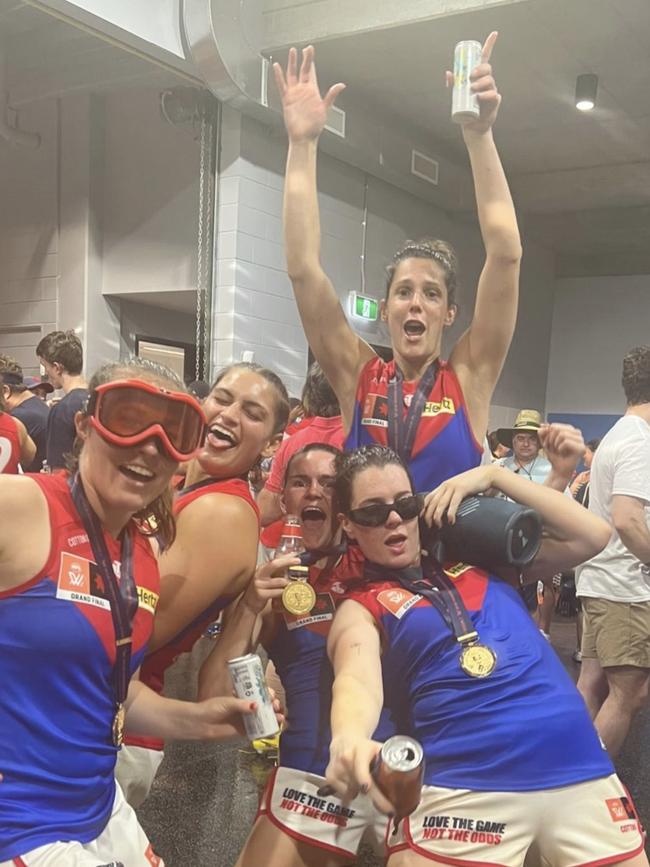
[(147, 599), (445, 407), (398, 601), (74, 541), (620, 809), (457, 570), (375, 411), (322, 611), (79, 581), (337, 587)]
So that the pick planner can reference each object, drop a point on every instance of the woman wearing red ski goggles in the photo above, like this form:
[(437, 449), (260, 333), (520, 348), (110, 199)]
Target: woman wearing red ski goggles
[(128, 412)]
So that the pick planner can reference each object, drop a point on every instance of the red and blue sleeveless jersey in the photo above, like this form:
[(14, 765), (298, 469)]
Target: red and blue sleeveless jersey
[(57, 703), (444, 443), (298, 649), (9, 444), (524, 727), (157, 663)]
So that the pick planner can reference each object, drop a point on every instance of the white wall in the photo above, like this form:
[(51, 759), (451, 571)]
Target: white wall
[(150, 198), (596, 320), (255, 308), (29, 238)]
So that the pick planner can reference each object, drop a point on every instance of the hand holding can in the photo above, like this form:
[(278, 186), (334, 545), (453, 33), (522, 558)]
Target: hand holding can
[(475, 98), (249, 683), (397, 770)]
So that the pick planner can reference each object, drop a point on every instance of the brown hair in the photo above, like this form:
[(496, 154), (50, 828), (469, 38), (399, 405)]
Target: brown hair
[(318, 397), (281, 409), (64, 348), (428, 248), (158, 516), (636, 375), (348, 465)]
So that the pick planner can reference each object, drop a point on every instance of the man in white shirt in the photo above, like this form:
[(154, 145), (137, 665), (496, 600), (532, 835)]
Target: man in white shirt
[(614, 586)]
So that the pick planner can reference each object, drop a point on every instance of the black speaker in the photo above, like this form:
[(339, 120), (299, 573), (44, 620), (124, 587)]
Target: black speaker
[(489, 532)]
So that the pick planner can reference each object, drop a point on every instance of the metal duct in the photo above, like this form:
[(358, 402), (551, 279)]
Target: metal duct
[(224, 38)]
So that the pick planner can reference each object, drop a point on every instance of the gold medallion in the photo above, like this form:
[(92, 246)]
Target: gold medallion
[(298, 597), (478, 660), (118, 725)]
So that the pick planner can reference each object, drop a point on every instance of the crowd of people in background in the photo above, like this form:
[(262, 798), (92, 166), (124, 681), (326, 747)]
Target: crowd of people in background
[(156, 509)]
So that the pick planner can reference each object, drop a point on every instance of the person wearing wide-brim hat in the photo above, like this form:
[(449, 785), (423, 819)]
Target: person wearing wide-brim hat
[(528, 420), (523, 439)]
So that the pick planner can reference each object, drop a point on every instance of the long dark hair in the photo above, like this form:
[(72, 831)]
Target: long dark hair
[(158, 517)]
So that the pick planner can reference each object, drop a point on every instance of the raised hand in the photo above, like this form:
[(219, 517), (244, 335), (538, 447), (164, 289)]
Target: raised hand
[(485, 88), (563, 445), (303, 107)]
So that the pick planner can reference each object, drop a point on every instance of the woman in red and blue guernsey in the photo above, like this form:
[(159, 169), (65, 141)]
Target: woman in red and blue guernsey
[(217, 531), (76, 612), (513, 764), (434, 413)]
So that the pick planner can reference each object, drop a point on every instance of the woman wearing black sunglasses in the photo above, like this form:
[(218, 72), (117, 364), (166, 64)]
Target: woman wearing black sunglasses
[(510, 751), (77, 607)]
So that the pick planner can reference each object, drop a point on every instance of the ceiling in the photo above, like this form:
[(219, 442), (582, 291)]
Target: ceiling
[(582, 180), (47, 56)]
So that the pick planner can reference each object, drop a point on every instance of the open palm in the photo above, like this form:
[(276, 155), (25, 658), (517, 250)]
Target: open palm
[(303, 107)]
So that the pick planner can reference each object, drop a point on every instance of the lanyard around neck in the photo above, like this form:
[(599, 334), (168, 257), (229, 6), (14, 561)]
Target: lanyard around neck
[(122, 595), (402, 429)]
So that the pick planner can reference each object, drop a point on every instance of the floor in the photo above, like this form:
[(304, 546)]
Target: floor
[(205, 796)]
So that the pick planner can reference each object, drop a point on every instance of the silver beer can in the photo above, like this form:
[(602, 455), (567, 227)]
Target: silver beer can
[(249, 683), (398, 770), (464, 103)]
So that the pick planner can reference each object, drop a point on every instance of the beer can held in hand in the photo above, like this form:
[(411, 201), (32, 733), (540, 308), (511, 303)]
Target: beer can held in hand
[(249, 683), (464, 103), (397, 770)]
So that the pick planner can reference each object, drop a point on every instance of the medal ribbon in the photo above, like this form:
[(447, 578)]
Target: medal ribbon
[(401, 429), (122, 595), (437, 589)]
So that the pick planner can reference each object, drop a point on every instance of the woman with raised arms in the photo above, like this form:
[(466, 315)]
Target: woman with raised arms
[(434, 413)]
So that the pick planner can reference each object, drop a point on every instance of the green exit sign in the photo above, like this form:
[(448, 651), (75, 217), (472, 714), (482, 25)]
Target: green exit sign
[(364, 307)]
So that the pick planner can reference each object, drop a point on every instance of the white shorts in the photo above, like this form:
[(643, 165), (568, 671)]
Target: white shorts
[(135, 771), (589, 823), (122, 843), (292, 803)]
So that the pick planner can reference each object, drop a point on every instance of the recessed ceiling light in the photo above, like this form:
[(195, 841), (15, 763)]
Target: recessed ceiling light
[(586, 91)]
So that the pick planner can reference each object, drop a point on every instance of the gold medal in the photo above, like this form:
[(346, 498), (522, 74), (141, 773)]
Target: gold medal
[(478, 660), (299, 597), (118, 725)]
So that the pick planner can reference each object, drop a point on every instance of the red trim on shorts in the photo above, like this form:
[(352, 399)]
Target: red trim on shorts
[(434, 856), (616, 859), (263, 810), (19, 862)]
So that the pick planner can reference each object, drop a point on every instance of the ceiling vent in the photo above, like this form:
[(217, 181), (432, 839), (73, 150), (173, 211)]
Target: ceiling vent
[(336, 121), (424, 167)]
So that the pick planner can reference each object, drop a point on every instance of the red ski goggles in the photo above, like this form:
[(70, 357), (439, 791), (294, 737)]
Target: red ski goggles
[(128, 412)]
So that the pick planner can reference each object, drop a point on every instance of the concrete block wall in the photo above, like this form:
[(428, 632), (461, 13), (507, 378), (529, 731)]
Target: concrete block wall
[(254, 308)]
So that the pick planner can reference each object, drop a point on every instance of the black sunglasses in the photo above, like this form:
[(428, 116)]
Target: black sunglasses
[(377, 514)]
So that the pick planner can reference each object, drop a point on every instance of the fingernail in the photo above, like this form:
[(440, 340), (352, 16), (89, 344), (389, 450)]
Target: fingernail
[(365, 788), (253, 705)]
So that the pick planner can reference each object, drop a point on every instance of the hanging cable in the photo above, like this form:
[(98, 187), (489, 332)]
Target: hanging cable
[(364, 226)]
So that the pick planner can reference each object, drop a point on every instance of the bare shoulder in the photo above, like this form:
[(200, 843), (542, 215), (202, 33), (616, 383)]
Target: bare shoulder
[(24, 515)]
